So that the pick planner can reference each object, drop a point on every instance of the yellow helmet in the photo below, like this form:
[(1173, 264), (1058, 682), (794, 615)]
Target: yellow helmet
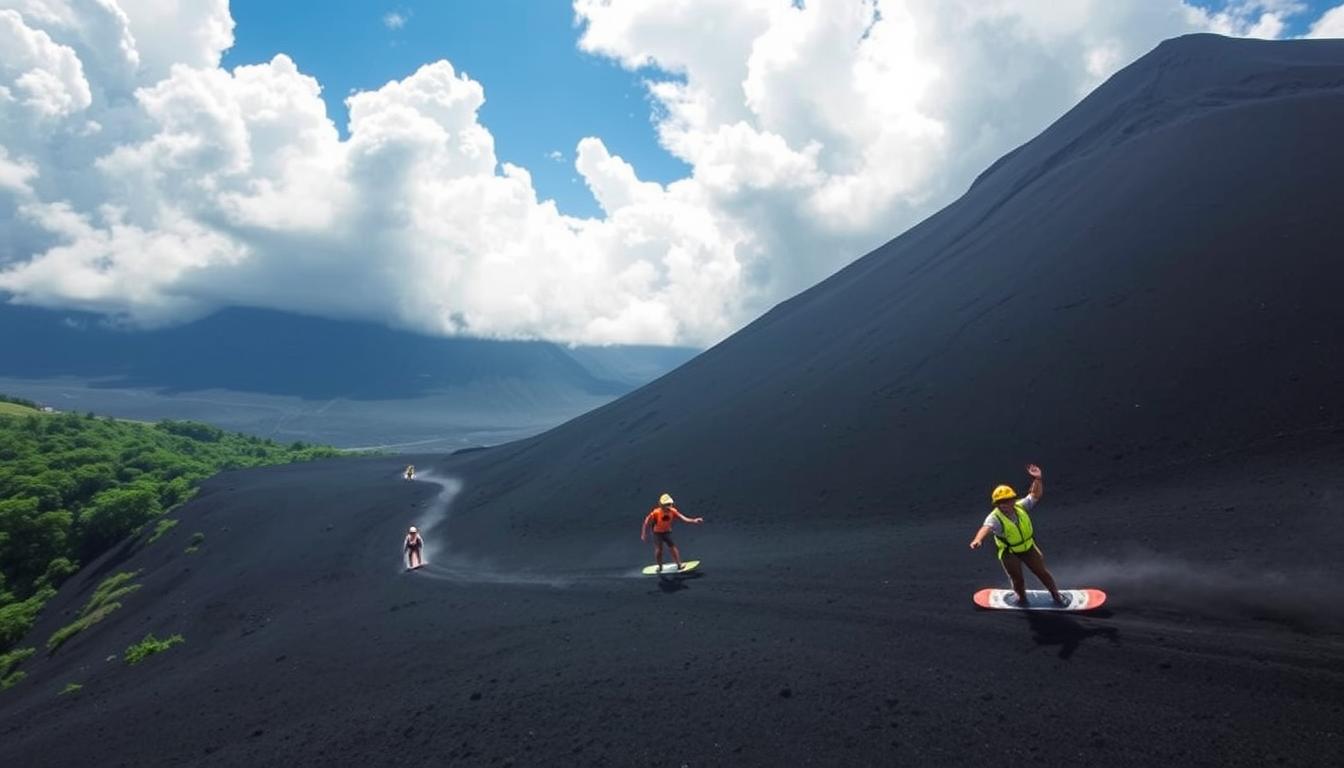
[(1003, 492), (665, 500)]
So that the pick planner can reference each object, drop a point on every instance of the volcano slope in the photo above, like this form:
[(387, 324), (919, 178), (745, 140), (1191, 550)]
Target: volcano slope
[(1142, 299)]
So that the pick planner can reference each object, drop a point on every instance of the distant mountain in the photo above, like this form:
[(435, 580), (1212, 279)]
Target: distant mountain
[(250, 350), (291, 377)]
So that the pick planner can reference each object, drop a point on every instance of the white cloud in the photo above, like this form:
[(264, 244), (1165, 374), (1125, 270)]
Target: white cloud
[(395, 20), (137, 178), (42, 79), (1331, 24), (556, 155), (15, 175)]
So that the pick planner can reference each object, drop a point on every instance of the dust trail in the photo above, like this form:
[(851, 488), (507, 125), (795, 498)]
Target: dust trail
[(440, 564), (436, 513), (473, 570), (1303, 601)]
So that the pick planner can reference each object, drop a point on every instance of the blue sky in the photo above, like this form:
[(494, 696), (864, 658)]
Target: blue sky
[(542, 93)]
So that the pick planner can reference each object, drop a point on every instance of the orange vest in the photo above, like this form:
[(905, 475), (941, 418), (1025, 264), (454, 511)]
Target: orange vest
[(662, 517)]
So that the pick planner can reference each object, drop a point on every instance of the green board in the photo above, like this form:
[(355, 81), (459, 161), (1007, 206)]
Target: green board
[(670, 568)]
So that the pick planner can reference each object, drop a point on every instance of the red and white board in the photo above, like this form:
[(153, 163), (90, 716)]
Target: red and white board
[(1040, 600)]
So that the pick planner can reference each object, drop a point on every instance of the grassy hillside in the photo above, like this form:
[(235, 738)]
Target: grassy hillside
[(14, 409), (17, 406), (72, 486)]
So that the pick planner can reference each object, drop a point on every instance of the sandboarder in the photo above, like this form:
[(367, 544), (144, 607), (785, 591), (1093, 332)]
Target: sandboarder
[(1014, 536), (413, 546), (410, 471), (661, 518)]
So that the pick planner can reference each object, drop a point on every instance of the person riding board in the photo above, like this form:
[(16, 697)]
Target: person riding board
[(1014, 536), (410, 471), (413, 546), (661, 519)]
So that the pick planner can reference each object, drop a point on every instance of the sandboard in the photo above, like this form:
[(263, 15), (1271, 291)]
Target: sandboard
[(670, 568), (1039, 600), (415, 567)]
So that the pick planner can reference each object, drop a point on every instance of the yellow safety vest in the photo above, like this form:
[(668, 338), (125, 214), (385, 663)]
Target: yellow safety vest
[(1017, 537)]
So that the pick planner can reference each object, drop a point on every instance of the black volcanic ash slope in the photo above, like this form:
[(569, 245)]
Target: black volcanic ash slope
[(1154, 278)]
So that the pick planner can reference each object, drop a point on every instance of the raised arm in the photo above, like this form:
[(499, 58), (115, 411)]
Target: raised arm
[(1037, 487)]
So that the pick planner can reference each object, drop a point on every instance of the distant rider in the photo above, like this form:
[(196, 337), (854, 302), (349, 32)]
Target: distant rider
[(410, 471), (1014, 536), (661, 519), (413, 546)]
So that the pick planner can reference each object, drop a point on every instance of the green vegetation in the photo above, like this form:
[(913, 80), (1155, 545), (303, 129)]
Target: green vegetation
[(14, 409), (18, 406), (16, 618), (70, 688), (113, 587), (197, 539), (7, 662), (10, 660), (100, 606), (150, 646), (74, 486), (163, 527)]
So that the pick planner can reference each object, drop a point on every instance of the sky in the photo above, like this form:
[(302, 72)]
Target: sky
[(542, 94), (595, 172)]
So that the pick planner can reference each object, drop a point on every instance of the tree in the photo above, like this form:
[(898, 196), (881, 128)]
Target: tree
[(29, 539), (112, 516)]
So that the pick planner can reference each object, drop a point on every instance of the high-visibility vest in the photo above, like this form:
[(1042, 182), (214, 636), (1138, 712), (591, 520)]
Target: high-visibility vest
[(1017, 537)]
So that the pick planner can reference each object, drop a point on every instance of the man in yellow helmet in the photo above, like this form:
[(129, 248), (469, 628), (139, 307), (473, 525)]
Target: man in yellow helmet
[(1014, 535)]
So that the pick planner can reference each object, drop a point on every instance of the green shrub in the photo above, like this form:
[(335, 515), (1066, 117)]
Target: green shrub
[(192, 429), (58, 571), (7, 662), (70, 688), (163, 527), (114, 586), (12, 659), (17, 618), (101, 605), (150, 646), (59, 637)]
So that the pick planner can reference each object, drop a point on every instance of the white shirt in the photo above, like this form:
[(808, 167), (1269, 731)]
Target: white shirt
[(996, 525)]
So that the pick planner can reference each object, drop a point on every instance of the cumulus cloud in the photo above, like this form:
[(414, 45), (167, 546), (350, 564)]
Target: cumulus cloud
[(1331, 24), (141, 180)]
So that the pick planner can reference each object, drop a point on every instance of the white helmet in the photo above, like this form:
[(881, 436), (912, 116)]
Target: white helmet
[(413, 529), (665, 499)]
